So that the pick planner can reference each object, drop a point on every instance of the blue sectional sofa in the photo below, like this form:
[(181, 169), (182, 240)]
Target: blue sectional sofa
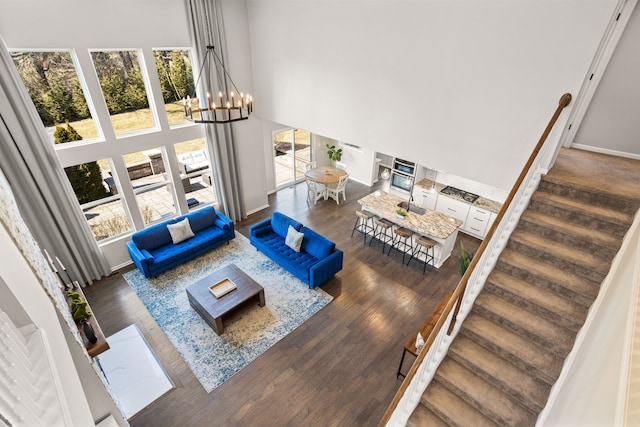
[(318, 259), (153, 251)]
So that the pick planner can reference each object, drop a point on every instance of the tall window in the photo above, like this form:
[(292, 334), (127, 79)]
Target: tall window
[(103, 183), (52, 81), (195, 172), (152, 187), (292, 155), (176, 80), (124, 90), (96, 188)]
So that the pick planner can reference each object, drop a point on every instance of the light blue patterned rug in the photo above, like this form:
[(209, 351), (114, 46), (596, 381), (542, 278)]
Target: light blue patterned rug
[(212, 358)]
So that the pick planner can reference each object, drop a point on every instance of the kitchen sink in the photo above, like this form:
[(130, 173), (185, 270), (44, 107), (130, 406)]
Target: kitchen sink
[(412, 208)]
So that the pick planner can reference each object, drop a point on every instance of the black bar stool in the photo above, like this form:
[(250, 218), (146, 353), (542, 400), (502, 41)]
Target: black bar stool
[(381, 232), (424, 246), (400, 241), (364, 224)]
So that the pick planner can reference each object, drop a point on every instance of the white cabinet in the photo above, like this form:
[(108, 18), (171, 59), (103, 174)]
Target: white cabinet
[(478, 222), (424, 197), (453, 208)]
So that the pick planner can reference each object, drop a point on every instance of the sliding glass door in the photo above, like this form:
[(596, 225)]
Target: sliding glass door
[(292, 155)]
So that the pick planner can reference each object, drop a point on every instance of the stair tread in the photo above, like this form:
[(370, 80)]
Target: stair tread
[(585, 233), (576, 256), (503, 374), (602, 212), (552, 273), (489, 400), (513, 347), (453, 408), (423, 416), (554, 336), (618, 174), (541, 297)]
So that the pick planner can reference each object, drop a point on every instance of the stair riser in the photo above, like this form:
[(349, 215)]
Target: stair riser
[(562, 263), (528, 305), (543, 282), (559, 349), (504, 386), (577, 217), (438, 412), (555, 235), (457, 418), (462, 394), (590, 196), (480, 340)]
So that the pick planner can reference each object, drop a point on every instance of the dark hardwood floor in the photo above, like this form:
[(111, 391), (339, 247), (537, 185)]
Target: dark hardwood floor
[(337, 369)]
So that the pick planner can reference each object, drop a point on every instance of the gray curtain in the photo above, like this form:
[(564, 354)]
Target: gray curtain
[(42, 191), (207, 29)]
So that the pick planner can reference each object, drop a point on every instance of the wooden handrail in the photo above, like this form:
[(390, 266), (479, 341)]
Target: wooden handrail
[(458, 293)]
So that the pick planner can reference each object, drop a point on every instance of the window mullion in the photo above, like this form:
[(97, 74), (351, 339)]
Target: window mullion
[(125, 187), (96, 101)]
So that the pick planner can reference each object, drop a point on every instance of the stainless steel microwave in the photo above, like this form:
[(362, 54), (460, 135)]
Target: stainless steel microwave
[(404, 166)]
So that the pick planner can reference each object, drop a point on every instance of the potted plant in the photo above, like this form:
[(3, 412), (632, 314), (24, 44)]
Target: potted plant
[(401, 213), (335, 154), (80, 314), (465, 259)]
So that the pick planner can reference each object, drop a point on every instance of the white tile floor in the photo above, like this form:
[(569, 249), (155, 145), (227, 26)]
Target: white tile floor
[(134, 373)]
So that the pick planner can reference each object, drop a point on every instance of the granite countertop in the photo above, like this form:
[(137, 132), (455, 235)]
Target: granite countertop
[(481, 202), (432, 223)]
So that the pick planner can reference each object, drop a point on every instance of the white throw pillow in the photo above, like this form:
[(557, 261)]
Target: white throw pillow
[(180, 231), (294, 239), (199, 156)]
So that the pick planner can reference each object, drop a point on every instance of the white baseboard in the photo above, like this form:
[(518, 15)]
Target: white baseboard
[(368, 184), (257, 209), (606, 151), (119, 266)]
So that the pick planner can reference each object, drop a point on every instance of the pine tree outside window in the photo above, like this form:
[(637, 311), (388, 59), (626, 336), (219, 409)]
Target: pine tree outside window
[(51, 78), (124, 90), (175, 73)]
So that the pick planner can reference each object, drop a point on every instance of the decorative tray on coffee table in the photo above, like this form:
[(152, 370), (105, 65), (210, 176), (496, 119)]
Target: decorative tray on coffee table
[(221, 288)]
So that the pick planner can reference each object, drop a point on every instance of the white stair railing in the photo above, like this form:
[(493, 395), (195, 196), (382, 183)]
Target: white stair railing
[(28, 392)]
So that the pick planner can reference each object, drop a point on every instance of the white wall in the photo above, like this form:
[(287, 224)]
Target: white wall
[(611, 122), (248, 134), (465, 87), (91, 24), (88, 400)]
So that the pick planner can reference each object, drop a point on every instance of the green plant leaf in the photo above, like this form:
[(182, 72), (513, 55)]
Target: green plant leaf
[(465, 259)]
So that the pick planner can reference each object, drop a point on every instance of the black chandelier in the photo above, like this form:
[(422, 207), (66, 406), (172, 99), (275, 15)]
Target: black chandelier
[(233, 106)]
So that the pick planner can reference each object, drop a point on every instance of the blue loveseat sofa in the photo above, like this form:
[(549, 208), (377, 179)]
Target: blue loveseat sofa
[(318, 259), (153, 251)]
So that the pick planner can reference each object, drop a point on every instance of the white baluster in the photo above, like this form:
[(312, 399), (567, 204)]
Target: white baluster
[(20, 394)]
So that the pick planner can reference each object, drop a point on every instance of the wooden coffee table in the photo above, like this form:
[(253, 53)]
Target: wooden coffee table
[(214, 310)]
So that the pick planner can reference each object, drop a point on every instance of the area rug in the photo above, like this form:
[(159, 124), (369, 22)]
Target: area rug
[(212, 358)]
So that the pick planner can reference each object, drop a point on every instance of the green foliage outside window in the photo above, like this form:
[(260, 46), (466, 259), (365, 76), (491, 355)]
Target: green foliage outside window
[(175, 74), (53, 85), (85, 178)]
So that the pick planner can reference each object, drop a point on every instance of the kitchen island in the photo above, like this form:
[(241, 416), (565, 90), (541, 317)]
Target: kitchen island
[(437, 226)]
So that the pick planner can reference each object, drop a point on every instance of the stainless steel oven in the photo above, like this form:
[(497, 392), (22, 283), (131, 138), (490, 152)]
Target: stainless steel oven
[(401, 182), (404, 166)]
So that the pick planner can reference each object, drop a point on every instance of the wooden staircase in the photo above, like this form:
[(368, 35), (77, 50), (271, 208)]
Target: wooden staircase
[(510, 349)]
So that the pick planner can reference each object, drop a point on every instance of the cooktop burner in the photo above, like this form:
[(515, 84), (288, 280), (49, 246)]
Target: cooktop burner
[(456, 192)]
